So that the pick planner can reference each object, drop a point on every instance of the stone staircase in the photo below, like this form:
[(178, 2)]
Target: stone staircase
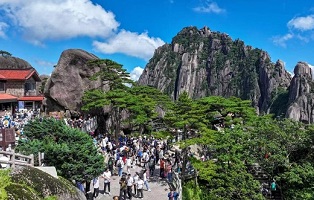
[(265, 181)]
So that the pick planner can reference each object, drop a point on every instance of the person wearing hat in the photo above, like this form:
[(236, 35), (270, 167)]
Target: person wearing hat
[(129, 182)]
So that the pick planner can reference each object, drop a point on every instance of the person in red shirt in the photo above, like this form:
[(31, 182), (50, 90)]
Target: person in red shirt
[(162, 167)]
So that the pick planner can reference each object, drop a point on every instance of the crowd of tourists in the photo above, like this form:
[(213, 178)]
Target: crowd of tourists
[(150, 156)]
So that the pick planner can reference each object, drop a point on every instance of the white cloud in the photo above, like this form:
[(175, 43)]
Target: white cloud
[(59, 19), (136, 73), (281, 40), (209, 7), (302, 23), (130, 43), (3, 27), (45, 63)]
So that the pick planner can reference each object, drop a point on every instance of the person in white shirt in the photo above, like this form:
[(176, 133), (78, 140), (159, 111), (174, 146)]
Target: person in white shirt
[(96, 187), (120, 165), (104, 143), (135, 180), (109, 145), (145, 158), (145, 180), (107, 177), (129, 185), (161, 153), (140, 186), (128, 164)]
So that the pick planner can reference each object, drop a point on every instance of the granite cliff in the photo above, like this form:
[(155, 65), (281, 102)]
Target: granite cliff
[(204, 63), (301, 94)]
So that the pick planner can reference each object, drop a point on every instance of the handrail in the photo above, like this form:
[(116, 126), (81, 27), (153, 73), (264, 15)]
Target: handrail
[(177, 184), (15, 159)]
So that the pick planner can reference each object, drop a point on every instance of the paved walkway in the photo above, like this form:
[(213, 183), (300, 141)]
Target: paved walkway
[(159, 188)]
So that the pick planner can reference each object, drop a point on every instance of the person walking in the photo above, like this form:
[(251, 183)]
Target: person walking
[(128, 164), (130, 183), (96, 187), (169, 171), (162, 168), (123, 187), (173, 195), (120, 165), (107, 178), (273, 188), (135, 180), (145, 180), (140, 186), (151, 165), (110, 164)]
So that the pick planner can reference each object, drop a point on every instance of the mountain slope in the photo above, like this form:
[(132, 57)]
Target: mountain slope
[(204, 63)]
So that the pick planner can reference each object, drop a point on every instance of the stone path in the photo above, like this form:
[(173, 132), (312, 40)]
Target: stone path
[(159, 188)]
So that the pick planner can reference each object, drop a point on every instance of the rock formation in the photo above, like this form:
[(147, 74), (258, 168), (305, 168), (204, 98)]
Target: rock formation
[(204, 63), (40, 86), (301, 96), (32, 184), (10, 62), (69, 80)]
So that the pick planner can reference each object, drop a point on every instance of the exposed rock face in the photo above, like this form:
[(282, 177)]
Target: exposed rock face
[(10, 62), (69, 80), (204, 63), (301, 97), (40, 86), (32, 184)]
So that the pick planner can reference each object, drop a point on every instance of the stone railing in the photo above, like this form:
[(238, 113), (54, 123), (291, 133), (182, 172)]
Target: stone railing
[(11, 159), (176, 183), (30, 93)]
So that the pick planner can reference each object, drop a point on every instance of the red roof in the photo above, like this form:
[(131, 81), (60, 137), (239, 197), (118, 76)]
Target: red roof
[(31, 98), (18, 74), (7, 97), (2, 77)]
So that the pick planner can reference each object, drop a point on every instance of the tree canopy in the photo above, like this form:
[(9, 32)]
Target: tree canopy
[(70, 150), (281, 147), (5, 53)]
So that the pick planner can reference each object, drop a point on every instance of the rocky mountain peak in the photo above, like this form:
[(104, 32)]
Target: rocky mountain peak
[(303, 69), (301, 96), (202, 62)]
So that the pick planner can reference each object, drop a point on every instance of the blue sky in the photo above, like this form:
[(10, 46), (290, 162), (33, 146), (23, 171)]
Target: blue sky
[(128, 31)]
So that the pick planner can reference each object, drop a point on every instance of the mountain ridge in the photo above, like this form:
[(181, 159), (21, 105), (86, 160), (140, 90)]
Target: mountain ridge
[(204, 63)]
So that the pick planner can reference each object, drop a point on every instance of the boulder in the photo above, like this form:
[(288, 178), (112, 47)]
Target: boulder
[(29, 183), (10, 62), (68, 81)]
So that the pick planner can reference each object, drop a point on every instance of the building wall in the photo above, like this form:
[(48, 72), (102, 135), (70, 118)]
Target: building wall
[(32, 91), (15, 88)]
